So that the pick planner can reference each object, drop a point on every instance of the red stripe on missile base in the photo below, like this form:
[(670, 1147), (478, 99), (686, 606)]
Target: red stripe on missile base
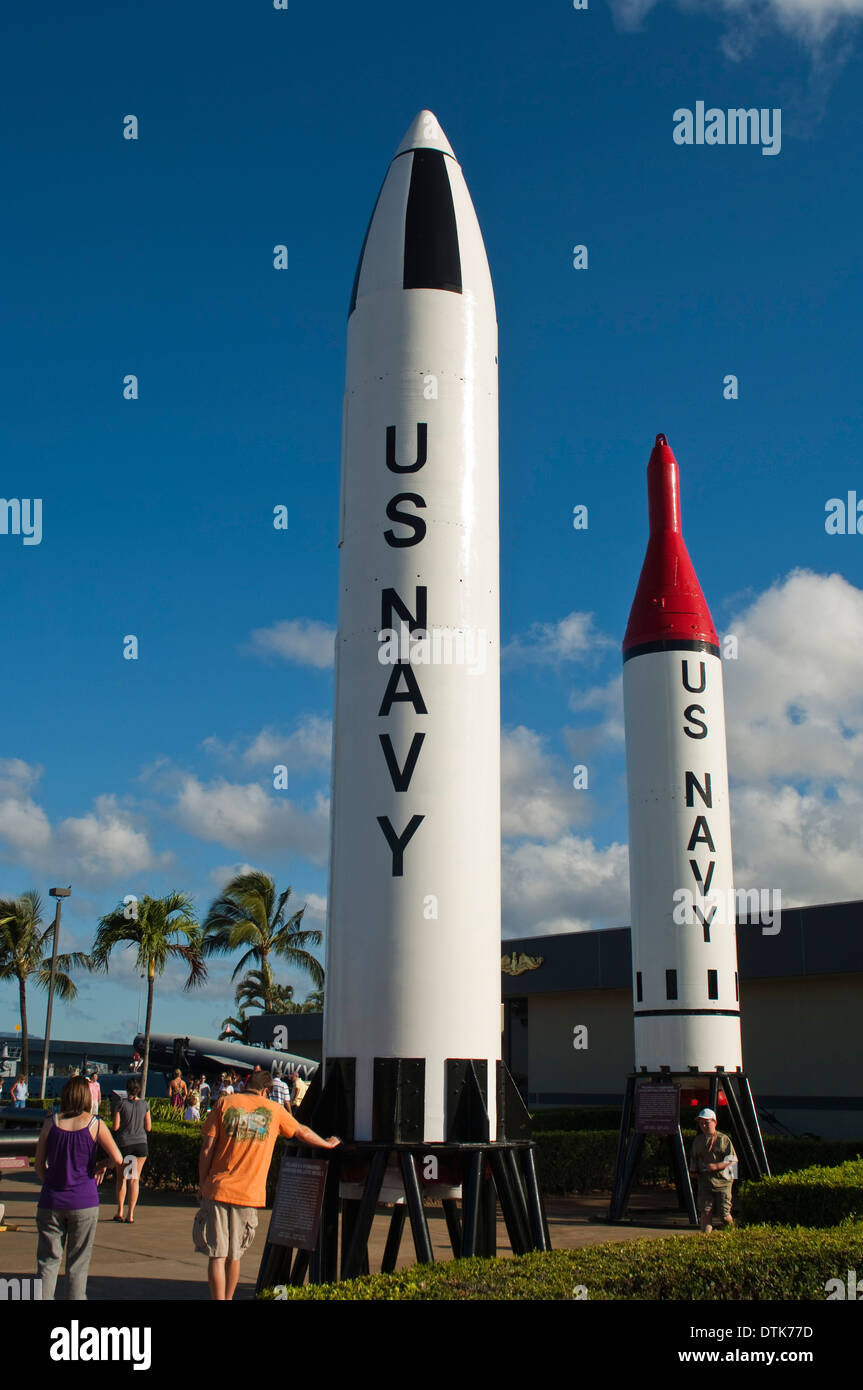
[(668, 604)]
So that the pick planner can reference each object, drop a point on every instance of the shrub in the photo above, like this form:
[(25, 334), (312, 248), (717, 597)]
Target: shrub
[(583, 1160), (576, 1118), (759, 1262), (814, 1196)]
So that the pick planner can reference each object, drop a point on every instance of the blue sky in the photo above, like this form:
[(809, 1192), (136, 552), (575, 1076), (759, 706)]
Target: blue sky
[(155, 257)]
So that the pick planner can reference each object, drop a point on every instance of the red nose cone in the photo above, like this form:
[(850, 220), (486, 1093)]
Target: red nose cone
[(669, 607)]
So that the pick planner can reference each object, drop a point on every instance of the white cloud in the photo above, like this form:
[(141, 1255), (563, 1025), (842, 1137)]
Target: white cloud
[(247, 817), (813, 23), (308, 746), (316, 906), (225, 872), (794, 696), (607, 700), (794, 712), (565, 885), (303, 641), (107, 840), (537, 796), (573, 638), (807, 846)]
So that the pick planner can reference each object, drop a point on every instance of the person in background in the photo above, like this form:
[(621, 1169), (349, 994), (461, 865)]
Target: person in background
[(19, 1093), (70, 1170), (177, 1089), (300, 1087), (239, 1136), (225, 1087), (713, 1159), (95, 1092), (204, 1090), (192, 1111), (132, 1124), (280, 1093)]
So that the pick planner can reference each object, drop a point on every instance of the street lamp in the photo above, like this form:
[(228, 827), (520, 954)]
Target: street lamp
[(57, 893)]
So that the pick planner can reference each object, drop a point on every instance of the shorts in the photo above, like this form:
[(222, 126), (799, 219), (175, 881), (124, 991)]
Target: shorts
[(224, 1231), (136, 1150), (712, 1200)]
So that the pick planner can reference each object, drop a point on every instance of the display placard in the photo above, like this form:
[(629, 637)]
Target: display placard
[(298, 1202), (657, 1109)]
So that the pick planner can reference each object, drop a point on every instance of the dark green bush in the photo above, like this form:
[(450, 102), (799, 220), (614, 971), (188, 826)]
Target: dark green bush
[(759, 1262), (583, 1160), (576, 1117), (809, 1197)]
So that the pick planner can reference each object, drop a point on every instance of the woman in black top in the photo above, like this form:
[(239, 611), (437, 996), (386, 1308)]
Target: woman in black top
[(131, 1126)]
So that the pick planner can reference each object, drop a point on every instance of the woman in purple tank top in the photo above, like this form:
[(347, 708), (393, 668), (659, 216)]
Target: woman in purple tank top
[(70, 1168)]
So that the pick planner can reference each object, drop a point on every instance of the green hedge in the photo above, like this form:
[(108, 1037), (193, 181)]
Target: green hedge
[(580, 1117), (567, 1161), (810, 1197), (760, 1262), (581, 1161)]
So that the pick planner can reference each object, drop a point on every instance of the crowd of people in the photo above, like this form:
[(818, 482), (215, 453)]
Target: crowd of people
[(195, 1097)]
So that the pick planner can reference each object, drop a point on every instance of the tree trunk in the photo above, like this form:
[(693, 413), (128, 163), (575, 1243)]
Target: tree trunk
[(151, 975), (25, 1042)]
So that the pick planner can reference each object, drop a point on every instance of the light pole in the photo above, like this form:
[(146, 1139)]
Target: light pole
[(57, 893)]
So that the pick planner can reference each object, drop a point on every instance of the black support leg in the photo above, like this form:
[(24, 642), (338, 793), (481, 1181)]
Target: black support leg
[(358, 1249), (394, 1238), (419, 1223), (453, 1224), (535, 1208), (470, 1202)]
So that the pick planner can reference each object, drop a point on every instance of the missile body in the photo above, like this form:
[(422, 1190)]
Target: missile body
[(413, 936), (684, 947)]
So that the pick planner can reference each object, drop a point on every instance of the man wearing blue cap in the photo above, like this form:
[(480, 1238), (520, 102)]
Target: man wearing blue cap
[(714, 1161)]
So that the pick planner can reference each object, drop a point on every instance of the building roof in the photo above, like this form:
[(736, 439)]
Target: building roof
[(822, 940)]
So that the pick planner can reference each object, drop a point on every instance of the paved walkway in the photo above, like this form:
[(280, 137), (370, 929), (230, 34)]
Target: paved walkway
[(154, 1258)]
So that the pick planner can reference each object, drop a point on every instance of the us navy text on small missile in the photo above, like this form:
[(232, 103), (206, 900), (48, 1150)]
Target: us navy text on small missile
[(737, 126), (22, 516)]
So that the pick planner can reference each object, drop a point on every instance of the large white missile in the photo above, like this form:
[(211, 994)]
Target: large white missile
[(413, 934), (684, 948)]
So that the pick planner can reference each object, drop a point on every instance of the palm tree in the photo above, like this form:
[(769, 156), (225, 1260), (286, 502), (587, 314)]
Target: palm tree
[(248, 913), (24, 947), (312, 1004), (258, 990), (158, 928), (235, 1028)]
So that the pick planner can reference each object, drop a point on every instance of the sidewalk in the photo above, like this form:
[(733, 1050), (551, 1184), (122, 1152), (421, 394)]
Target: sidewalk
[(154, 1259)]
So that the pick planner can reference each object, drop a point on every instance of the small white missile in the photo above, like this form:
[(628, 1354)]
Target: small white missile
[(413, 933), (684, 946)]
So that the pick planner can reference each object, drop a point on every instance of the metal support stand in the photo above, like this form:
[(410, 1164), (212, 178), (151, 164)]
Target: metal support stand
[(742, 1122), (491, 1172)]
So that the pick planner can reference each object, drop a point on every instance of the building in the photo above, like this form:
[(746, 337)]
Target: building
[(801, 995)]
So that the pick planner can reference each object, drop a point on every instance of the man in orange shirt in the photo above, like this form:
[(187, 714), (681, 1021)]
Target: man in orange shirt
[(239, 1136)]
